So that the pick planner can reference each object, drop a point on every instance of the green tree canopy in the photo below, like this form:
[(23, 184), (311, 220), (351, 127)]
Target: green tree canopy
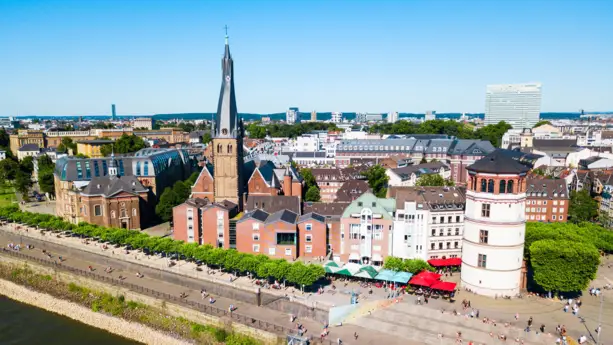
[(8, 169), (168, 200), (23, 182), (542, 122), (564, 266), (182, 191), (433, 180), (4, 138), (67, 144), (125, 144), (583, 208), (309, 179), (276, 130), (27, 164), (312, 194), (377, 180), (206, 137)]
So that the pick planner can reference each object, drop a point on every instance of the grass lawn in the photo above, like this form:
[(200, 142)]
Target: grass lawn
[(7, 196)]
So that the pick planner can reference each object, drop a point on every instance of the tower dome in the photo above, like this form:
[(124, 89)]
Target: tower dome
[(495, 224)]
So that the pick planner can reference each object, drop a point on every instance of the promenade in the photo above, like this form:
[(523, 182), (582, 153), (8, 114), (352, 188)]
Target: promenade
[(394, 325)]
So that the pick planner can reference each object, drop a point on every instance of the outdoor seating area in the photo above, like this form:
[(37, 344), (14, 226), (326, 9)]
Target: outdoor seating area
[(430, 283), (367, 272), (451, 262)]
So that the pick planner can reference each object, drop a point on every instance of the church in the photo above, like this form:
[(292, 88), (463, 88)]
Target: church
[(229, 186)]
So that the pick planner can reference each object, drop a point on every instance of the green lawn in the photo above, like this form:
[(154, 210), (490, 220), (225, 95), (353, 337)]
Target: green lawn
[(7, 197)]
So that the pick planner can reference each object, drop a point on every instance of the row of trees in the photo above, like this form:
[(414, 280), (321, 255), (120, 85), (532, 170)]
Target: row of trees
[(493, 133), (407, 265), (258, 130), (431, 180), (174, 196), (564, 257), (226, 259)]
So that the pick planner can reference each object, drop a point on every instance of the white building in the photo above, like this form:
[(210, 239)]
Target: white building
[(517, 104), (407, 176), (143, 122), (392, 116), (368, 117), (336, 117), (27, 150), (430, 115), (292, 116), (429, 222), (495, 225)]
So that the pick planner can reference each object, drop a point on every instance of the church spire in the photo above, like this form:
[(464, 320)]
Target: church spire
[(226, 119)]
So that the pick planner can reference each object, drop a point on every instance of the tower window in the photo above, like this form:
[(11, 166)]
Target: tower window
[(483, 236), (219, 148), (482, 260), (483, 185), (229, 148), (503, 186), (485, 210), (510, 187), (490, 186)]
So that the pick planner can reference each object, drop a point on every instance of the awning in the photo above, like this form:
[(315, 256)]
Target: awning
[(402, 277), (367, 272), (331, 269), (445, 262), (444, 286), (331, 264), (386, 275), (429, 275), (421, 281)]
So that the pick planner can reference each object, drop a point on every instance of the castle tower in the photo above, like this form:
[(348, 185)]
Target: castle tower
[(227, 143), (495, 225)]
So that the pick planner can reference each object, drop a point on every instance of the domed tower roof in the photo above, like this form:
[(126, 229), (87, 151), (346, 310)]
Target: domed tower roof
[(499, 162)]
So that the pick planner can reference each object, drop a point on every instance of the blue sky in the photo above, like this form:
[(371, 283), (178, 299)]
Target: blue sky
[(78, 57)]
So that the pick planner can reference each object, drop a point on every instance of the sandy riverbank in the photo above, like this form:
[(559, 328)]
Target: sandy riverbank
[(84, 315)]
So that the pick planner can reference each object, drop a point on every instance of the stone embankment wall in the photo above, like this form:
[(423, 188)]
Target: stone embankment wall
[(168, 308), (76, 312)]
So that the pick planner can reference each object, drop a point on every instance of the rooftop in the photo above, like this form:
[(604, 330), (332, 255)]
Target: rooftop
[(500, 161)]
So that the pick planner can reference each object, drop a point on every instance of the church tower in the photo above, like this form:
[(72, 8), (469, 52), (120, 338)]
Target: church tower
[(227, 143)]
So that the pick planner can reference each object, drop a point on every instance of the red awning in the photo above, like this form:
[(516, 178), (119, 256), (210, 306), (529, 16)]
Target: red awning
[(429, 275), (421, 281), (445, 262), (444, 286)]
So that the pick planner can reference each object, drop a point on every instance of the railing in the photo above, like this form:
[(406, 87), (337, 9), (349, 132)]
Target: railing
[(206, 308)]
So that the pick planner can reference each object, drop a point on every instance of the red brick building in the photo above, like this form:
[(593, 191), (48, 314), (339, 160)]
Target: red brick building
[(547, 200)]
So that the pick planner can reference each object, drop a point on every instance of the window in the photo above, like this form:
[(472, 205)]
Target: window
[(449, 219), (288, 251), (442, 219), (449, 232), (555, 202), (256, 237), (105, 169), (440, 245), (544, 202), (121, 168), (502, 186), (123, 213), (434, 220), (456, 245), (485, 210), (483, 185), (482, 260), (309, 227), (97, 210), (554, 210), (483, 236), (457, 219), (561, 202), (272, 251), (79, 171), (553, 217), (448, 244), (433, 232), (308, 238), (308, 249), (359, 203), (561, 217), (490, 186), (457, 231), (146, 173), (432, 245), (138, 168), (88, 172), (256, 248), (229, 148), (96, 169), (256, 226), (510, 187), (134, 212)]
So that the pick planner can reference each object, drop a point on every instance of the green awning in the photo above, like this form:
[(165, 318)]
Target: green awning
[(386, 275), (331, 264), (367, 272)]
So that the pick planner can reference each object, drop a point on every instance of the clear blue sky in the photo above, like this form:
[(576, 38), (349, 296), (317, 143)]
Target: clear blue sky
[(78, 57)]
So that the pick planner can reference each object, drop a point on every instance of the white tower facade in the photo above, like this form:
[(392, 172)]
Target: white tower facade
[(495, 226)]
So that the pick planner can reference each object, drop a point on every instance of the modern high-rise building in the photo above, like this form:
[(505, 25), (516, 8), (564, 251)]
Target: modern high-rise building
[(113, 112), (313, 116), (430, 115), (517, 104), (292, 116), (392, 117), (337, 117)]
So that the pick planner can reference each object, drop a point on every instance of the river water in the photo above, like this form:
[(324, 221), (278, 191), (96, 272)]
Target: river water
[(22, 324)]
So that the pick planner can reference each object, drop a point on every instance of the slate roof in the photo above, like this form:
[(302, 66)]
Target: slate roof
[(29, 147), (500, 161), (108, 186), (327, 209), (546, 189), (267, 170), (426, 168), (255, 214), (271, 204), (283, 215), (311, 216), (351, 190)]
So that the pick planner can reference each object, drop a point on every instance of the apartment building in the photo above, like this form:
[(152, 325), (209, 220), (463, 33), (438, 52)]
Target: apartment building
[(429, 222), (547, 200), (408, 175), (329, 180), (365, 228)]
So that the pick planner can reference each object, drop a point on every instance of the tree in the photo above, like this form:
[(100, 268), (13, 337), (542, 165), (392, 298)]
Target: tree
[(563, 266), (312, 194), (540, 123), (27, 164), (393, 263), (168, 200), (8, 169), (433, 180), (125, 144), (377, 180), (206, 137), (45, 181), (181, 190), (67, 144), (23, 182), (4, 138), (45, 161), (309, 179), (416, 265), (493, 133), (583, 208)]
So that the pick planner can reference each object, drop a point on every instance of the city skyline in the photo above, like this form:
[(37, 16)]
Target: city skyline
[(69, 57)]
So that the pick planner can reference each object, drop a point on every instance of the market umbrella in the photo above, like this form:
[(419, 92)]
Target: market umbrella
[(385, 275), (444, 286), (331, 269), (402, 277), (421, 281), (331, 264), (368, 272), (429, 275)]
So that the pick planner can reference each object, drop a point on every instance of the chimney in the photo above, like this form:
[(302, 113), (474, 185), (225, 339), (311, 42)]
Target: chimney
[(287, 182)]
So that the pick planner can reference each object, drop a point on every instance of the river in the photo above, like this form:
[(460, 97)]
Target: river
[(22, 324)]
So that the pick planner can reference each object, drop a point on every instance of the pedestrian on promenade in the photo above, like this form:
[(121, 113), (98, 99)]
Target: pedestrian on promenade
[(516, 316), (355, 335), (339, 341)]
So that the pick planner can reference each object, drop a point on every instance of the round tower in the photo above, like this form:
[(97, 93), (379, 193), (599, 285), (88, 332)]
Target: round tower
[(495, 224)]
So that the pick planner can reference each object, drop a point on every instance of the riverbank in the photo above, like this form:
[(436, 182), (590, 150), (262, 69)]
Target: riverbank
[(117, 326), (97, 305)]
